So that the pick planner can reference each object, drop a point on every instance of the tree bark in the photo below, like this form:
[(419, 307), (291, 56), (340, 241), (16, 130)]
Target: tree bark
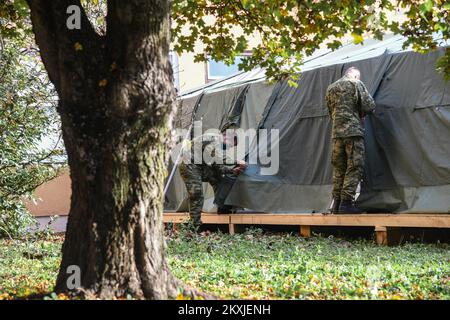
[(116, 99)]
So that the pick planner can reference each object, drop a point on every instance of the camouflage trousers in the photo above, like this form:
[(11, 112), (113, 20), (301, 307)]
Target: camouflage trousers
[(193, 175), (348, 163)]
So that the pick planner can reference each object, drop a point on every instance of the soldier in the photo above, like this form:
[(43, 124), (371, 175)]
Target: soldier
[(348, 101), (210, 170)]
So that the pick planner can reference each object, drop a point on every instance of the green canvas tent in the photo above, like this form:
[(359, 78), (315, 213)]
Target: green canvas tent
[(407, 139)]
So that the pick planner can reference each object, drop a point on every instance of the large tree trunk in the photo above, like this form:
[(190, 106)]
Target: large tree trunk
[(116, 99)]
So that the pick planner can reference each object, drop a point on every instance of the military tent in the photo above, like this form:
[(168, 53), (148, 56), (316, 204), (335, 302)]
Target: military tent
[(407, 139)]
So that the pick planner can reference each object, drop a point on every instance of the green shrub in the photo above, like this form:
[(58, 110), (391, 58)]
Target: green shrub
[(15, 220), (27, 118)]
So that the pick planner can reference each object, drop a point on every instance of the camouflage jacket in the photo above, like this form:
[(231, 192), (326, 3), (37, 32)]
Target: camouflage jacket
[(206, 150), (348, 101)]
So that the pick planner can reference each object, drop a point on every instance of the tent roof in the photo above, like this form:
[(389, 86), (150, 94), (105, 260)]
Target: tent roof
[(320, 58)]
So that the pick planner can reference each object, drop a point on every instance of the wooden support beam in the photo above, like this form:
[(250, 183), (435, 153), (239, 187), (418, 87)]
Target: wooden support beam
[(231, 228), (305, 231), (235, 228), (381, 235)]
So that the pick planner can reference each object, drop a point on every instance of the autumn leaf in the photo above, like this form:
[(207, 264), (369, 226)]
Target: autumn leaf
[(78, 46), (357, 38), (103, 83)]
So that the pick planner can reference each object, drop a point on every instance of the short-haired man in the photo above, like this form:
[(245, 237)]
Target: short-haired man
[(348, 101)]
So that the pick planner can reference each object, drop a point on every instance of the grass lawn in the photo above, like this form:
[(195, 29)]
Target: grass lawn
[(254, 265)]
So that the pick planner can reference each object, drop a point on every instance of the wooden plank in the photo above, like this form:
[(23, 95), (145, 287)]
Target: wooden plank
[(175, 217), (307, 219), (210, 218), (369, 220), (214, 218)]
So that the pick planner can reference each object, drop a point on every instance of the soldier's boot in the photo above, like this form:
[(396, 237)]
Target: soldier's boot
[(197, 226), (347, 206), (194, 223), (335, 207)]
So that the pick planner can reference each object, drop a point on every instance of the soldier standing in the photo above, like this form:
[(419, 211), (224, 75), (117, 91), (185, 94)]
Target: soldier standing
[(348, 101), (209, 170)]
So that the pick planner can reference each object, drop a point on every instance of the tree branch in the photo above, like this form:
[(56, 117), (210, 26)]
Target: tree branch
[(57, 42)]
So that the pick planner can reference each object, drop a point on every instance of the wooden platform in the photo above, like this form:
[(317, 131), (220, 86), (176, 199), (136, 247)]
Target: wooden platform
[(380, 222)]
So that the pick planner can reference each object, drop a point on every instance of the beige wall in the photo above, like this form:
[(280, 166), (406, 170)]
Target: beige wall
[(191, 74), (52, 198)]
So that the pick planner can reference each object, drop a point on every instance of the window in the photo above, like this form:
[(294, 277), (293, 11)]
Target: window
[(218, 69)]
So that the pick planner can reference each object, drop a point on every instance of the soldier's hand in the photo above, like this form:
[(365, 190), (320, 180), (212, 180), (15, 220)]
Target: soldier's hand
[(242, 163), (240, 168)]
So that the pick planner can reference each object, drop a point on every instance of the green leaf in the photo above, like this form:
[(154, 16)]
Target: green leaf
[(427, 6)]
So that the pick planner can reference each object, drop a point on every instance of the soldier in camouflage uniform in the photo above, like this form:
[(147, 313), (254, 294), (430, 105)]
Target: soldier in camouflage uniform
[(211, 170), (348, 101)]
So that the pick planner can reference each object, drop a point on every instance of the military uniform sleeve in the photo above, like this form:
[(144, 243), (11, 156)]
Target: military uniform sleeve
[(327, 101), (366, 101), (223, 169)]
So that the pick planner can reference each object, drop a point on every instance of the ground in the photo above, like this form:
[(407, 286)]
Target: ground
[(256, 265)]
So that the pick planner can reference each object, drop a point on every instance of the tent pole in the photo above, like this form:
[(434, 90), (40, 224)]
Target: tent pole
[(177, 161)]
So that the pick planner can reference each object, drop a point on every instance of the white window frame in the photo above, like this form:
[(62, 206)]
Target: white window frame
[(174, 61)]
